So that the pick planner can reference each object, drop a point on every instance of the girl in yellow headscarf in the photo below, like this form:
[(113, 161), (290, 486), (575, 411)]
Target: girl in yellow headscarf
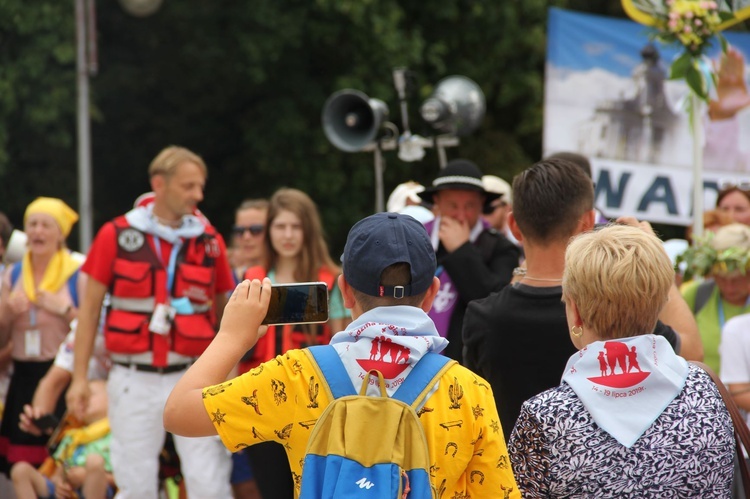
[(37, 303)]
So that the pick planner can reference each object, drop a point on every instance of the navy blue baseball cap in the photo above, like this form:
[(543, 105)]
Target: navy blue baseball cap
[(379, 241)]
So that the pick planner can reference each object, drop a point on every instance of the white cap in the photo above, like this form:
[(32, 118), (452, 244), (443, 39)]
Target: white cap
[(403, 192), (497, 185)]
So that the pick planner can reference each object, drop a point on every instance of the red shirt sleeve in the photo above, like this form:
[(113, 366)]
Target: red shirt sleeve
[(224, 275), (101, 255)]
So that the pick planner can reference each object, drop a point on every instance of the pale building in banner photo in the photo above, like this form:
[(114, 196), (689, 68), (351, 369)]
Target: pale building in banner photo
[(639, 128)]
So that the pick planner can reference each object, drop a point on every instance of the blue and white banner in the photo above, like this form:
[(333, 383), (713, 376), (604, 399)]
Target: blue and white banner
[(608, 96)]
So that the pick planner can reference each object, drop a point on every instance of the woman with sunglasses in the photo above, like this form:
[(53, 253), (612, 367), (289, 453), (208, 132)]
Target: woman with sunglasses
[(248, 236), (248, 250)]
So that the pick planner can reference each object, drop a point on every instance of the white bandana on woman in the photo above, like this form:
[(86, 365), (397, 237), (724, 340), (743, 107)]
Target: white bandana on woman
[(626, 383), (389, 339)]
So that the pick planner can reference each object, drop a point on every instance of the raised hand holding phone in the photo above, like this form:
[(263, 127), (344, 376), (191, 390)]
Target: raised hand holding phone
[(299, 303), (244, 312)]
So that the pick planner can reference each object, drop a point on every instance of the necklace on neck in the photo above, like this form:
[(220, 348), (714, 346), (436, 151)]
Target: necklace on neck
[(541, 279), (521, 272)]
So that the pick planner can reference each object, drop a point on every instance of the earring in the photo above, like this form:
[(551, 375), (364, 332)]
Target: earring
[(577, 331)]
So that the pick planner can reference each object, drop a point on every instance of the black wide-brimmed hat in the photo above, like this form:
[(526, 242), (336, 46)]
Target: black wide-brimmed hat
[(462, 175)]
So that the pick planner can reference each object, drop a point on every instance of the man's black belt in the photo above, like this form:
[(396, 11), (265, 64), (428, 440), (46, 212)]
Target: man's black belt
[(147, 368)]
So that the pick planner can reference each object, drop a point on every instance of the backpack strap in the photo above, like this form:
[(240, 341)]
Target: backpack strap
[(73, 287), (333, 370), (412, 391), (702, 294), (422, 378), (15, 273)]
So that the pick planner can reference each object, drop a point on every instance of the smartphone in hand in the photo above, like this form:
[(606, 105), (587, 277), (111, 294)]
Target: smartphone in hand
[(300, 303)]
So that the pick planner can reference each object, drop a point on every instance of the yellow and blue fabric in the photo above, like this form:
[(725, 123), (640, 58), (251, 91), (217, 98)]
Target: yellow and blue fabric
[(24, 268), (281, 400), (62, 265), (370, 446)]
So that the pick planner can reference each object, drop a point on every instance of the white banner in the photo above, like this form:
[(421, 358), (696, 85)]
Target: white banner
[(650, 192), (608, 97)]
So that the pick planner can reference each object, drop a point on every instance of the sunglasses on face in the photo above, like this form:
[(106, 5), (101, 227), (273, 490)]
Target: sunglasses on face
[(255, 229), (743, 185)]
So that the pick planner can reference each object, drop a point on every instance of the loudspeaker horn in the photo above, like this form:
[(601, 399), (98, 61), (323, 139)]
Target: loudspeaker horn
[(351, 119), (456, 106)]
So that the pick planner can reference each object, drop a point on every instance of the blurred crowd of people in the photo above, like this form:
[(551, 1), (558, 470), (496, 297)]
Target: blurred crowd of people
[(528, 290)]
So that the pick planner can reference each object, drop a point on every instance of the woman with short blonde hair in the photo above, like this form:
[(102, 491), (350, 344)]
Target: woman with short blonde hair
[(630, 417), (612, 294)]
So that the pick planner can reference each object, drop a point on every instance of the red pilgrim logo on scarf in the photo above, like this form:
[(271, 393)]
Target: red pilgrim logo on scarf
[(383, 348), (617, 355)]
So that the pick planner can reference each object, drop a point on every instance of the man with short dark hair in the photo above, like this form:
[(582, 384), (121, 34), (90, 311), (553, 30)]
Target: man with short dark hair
[(388, 283), (518, 338), (473, 258)]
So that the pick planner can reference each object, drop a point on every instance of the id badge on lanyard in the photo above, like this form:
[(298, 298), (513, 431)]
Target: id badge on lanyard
[(32, 339)]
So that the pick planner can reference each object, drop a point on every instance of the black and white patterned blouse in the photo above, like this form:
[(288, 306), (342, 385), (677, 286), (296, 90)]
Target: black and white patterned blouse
[(558, 451)]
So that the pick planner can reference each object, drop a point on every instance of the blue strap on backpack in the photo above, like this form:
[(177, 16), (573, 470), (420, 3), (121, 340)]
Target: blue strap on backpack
[(15, 274), (348, 455), (341, 385)]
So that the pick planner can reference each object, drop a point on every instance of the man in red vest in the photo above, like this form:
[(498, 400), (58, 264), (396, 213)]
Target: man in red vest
[(167, 273)]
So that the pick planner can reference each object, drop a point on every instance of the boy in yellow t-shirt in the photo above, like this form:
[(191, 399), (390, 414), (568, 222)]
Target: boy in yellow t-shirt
[(388, 283)]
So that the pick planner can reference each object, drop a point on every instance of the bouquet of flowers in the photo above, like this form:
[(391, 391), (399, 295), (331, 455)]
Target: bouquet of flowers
[(692, 24)]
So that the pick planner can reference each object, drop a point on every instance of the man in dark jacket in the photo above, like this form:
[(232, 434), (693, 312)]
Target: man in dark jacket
[(473, 259)]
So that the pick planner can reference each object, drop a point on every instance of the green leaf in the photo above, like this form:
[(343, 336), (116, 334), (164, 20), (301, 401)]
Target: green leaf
[(725, 16), (696, 81), (723, 42), (680, 66)]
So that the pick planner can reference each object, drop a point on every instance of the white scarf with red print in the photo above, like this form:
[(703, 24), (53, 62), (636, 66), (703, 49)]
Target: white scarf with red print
[(389, 339), (626, 383)]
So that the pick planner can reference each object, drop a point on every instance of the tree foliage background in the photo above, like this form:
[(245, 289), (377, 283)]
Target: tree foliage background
[(243, 84)]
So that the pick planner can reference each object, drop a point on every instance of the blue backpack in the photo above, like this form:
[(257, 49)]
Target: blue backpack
[(364, 446), (15, 273)]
